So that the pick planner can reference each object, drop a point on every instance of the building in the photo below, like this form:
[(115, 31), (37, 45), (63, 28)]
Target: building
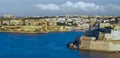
[(5, 22), (52, 22), (16, 22), (103, 25), (8, 16)]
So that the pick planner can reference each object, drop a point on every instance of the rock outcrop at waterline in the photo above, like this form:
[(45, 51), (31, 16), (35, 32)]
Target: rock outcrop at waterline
[(75, 44)]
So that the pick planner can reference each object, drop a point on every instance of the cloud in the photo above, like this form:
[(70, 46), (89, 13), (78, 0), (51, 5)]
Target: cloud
[(69, 5), (79, 7), (47, 6)]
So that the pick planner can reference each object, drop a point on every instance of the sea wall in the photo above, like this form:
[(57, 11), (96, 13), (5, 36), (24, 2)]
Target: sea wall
[(94, 45), (99, 45), (114, 46)]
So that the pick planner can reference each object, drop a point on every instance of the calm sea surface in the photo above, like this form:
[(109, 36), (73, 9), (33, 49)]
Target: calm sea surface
[(51, 45)]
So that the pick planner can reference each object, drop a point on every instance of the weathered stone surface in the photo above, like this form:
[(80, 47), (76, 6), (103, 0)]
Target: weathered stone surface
[(99, 45)]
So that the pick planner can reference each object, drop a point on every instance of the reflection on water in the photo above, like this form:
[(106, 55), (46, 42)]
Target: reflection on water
[(94, 54)]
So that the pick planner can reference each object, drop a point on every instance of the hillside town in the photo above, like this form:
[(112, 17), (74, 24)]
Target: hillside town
[(45, 24)]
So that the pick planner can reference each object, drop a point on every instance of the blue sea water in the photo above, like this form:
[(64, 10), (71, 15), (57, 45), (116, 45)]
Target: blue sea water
[(51, 45)]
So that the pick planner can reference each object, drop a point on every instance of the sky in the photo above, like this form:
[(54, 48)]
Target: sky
[(59, 7)]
